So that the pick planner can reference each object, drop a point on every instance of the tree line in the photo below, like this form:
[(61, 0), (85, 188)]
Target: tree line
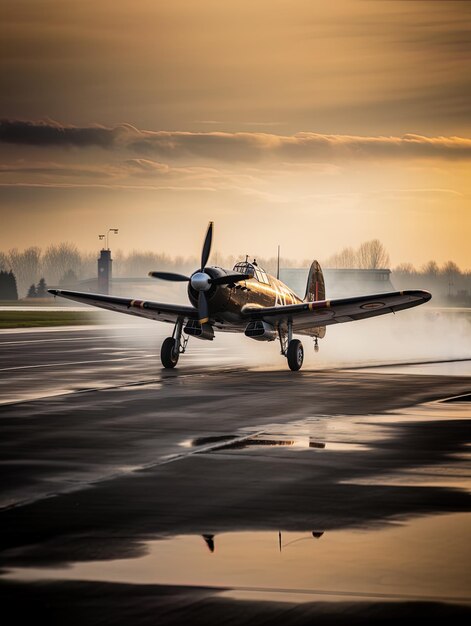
[(370, 255), (65, 265)]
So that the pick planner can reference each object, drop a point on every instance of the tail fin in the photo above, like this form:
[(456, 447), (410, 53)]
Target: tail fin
[(315, 288)]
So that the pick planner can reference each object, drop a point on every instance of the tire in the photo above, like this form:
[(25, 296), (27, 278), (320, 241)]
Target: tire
[(295, 355), (169, 353)]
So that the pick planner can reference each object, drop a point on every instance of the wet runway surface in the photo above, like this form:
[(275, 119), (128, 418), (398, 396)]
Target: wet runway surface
[(226, 490)]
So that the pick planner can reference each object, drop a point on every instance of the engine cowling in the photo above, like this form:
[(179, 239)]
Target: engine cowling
[(261, 331)]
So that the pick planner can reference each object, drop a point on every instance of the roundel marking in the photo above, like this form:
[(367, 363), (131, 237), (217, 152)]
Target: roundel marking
[(372, 305)]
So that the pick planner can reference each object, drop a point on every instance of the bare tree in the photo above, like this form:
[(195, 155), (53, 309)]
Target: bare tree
[(4, 262), (69, 280), (88, 266), (119, 261), (26, 266), (405, 268), (139, 263), (57, 260), (372, 255), (430, 268), (345, 259), (450, 269)]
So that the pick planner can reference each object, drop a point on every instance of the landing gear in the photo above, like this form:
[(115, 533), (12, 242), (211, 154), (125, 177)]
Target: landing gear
[(169, 353), (316, 345), (173, 346), (291, 348), (295, 355)]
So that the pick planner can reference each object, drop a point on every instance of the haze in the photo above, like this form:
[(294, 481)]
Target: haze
[(310, 124)]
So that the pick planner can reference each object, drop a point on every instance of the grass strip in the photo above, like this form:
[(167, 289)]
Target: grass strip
[(28, 319)]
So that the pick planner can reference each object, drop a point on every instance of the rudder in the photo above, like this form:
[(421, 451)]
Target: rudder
[(315, 288)]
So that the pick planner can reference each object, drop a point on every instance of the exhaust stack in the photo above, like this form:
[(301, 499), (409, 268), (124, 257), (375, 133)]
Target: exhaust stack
[(261, 331)]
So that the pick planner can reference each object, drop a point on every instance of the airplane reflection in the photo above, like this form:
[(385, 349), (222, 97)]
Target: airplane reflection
[(209, 539), (315, 534)]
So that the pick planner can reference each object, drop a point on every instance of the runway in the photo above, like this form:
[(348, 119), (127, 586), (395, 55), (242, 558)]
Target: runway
[(230, 489)]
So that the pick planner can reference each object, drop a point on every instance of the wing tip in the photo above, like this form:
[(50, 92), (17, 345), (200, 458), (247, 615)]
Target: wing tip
[(55, 292), (419, 293)]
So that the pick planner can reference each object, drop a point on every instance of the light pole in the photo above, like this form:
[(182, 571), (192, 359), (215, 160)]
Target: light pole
[(110, 230)]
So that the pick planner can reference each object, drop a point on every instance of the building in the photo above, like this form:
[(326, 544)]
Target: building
[(341, 283)]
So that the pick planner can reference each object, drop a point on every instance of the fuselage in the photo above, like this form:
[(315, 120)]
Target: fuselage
[(227, 301)]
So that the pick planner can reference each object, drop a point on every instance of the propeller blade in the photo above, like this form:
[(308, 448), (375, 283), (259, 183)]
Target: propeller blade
[(203, 310), (207, 246), (230, 278), (169, 276)]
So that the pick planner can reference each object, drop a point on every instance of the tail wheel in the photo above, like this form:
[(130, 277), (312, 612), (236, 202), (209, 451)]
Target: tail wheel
[(169, 353), (295, 354)]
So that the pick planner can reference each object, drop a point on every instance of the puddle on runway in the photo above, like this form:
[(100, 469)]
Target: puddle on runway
[(335, 433), (424, 558)]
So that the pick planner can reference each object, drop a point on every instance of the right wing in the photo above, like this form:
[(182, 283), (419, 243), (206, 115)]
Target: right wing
[(141, 308), (309, 316)]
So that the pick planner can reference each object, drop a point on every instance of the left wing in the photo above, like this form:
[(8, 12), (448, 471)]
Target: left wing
[(311, 315), (142, 308)]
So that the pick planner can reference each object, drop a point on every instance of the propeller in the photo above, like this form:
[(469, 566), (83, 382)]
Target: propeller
[(220, 280), (203, 309), (199, 280), (169, 276), (206, 246)]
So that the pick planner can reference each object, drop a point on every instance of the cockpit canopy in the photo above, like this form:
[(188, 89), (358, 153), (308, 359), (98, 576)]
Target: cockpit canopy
[(254, 270)]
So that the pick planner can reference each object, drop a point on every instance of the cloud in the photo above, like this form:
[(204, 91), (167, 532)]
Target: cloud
[(111, 187), (129, 168), (49, 133), (127, 174), (146, 167), (232, 147), (56, 169)]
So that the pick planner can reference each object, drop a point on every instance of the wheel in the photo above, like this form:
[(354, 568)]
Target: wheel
[(169, 353), (295, 355)]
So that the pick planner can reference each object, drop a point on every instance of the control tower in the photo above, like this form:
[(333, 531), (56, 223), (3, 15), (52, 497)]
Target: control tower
[(104, 271), (105, 263)]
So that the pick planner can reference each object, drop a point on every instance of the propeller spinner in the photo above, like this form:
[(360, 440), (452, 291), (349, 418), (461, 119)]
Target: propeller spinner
[(200, 280)]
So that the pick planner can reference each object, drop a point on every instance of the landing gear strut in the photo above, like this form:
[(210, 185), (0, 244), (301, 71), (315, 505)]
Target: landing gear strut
[(291, 348), (316, 345), (173, 346)]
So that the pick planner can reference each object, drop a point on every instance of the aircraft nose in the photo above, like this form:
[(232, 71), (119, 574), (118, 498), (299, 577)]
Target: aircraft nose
[(200, 281)]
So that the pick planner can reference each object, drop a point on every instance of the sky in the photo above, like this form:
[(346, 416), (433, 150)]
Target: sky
[(310, 124)]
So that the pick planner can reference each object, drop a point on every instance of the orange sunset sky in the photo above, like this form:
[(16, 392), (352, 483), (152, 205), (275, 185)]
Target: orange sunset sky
[(307, 123)]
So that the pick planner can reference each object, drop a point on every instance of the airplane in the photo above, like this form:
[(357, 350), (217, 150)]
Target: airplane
[(248, 300)]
